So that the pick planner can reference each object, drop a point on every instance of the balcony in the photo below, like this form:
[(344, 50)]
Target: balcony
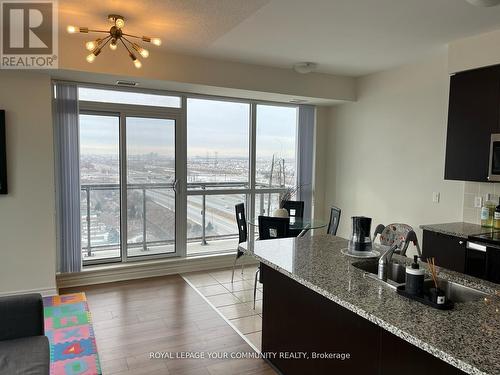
[(211, 226)]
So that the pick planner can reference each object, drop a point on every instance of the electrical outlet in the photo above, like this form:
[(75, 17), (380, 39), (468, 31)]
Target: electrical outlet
[(478, 202), (435, 197)]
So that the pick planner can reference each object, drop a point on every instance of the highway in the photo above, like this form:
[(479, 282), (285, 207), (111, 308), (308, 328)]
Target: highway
[(219, 209)]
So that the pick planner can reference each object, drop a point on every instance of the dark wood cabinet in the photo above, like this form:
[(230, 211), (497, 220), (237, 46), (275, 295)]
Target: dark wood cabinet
[(473, 115), (298, 319), (448, 251)]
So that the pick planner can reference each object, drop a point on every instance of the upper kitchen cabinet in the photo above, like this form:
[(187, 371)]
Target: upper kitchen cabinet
[(473, 116)]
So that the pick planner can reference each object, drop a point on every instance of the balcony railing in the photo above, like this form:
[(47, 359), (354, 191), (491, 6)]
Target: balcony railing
[(90, 233)]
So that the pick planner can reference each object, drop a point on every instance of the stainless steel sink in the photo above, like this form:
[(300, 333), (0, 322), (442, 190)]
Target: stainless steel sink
[(395, 272), (456, 292), (396, 276)]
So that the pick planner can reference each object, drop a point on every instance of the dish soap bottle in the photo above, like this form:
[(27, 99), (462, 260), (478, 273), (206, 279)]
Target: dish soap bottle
[(496, 217), (415, 278), (487, 212)]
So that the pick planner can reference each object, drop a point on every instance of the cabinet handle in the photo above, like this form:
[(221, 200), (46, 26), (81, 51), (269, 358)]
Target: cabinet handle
[(460, 242)]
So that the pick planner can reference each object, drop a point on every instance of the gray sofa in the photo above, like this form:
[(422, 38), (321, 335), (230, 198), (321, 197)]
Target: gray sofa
[(24, 350)]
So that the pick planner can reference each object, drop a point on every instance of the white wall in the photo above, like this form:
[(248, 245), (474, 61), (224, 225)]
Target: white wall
[(208, 76), (474, 52), (27, 229), (385, 153)]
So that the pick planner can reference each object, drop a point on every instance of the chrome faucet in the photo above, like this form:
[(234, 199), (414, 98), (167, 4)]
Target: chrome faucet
[(386, 258), (384, 261)]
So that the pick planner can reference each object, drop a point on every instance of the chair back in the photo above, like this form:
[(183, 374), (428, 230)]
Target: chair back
[(294, 208), (333, 224), (242, 222), (399, 235), (273, 227)]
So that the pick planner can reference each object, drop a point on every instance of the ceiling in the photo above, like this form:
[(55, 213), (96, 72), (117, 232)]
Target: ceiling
[(348, 37)]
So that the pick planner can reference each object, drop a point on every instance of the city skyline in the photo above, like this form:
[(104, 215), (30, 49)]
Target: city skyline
[(213, 127)]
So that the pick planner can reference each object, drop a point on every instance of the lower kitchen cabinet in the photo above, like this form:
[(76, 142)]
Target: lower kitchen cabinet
[(449, 251), (298, 319)]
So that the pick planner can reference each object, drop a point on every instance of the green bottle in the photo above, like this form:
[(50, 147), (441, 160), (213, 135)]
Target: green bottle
[(496, 217), (488, 212)]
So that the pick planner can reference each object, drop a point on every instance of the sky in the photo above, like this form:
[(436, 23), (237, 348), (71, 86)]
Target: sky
[(220, 127)]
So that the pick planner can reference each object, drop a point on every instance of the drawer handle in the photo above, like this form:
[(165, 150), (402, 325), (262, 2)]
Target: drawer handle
[(476, 246)]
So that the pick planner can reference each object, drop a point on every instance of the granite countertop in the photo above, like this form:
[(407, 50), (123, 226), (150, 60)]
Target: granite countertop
[(458, 229), (467, 337)]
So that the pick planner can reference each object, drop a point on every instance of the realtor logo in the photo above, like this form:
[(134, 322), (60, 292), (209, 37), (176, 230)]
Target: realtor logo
[(29, 34)]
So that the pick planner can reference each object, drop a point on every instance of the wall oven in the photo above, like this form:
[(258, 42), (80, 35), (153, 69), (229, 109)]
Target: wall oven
[(494, 168)]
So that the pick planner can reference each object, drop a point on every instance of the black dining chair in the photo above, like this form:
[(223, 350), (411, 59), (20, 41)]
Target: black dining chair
[(333, 224), (270, 228), (295, 210), (273, 227), (241, 221)]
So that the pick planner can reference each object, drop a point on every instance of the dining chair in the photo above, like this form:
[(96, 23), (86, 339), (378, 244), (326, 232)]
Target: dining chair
[(333, 224), (273, 227), (270, 228), (241, 221), (294, 208), (295, 211), (397, 234)]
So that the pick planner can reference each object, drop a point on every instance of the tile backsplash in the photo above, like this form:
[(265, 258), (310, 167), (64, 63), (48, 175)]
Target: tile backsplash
[(476, 189)]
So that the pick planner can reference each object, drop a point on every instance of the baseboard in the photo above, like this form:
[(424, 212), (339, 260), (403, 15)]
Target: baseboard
[(45, 292), (130, 271)]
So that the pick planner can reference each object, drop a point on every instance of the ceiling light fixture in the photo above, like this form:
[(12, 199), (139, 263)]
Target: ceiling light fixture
[(305, 67), (115, 35)]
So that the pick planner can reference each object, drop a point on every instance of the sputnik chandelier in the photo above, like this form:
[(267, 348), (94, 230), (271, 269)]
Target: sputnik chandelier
[(115, 36)]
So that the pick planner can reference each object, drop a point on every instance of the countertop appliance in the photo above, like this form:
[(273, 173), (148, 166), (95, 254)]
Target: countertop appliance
[(482, 256), (494, 166), (361, 237)]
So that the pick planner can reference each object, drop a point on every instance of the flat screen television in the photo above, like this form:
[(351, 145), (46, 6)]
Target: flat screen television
[(3, 155)]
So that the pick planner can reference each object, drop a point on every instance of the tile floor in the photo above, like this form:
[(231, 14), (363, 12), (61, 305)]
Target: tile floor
[(233, 300)]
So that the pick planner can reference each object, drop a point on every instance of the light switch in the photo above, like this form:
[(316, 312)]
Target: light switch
[(435, 197), (478, 202)]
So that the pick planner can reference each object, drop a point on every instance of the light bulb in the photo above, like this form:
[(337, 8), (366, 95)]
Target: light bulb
[(91, 58), (137, 63), (90, 45), (144, 53), (72, 29), (156, 41), (113, 45), (119, 23)]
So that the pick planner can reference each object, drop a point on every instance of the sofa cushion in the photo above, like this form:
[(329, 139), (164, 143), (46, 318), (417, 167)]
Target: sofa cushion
[(26, 356), (22, 316)]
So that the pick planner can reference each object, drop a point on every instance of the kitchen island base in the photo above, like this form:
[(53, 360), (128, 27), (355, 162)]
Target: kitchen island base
[(300, 324)]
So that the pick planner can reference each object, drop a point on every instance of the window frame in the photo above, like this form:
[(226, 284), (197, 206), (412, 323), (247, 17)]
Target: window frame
[(180, 115)]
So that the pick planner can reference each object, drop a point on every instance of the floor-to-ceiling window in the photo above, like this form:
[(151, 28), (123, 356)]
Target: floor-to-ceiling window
[(160, 175), (218, 172), (276, 150)]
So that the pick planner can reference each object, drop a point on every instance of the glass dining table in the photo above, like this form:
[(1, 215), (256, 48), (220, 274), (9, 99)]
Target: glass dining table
[(297, 224)]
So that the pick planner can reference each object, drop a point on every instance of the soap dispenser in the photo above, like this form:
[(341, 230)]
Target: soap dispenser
[(415, 278)]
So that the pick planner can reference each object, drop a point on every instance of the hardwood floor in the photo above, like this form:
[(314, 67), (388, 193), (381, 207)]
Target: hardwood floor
[(132, 319)]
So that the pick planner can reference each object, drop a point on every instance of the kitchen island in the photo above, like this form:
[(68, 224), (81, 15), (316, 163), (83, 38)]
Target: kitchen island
[(316, 302)]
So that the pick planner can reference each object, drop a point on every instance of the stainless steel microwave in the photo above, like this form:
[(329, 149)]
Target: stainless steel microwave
[(494, 168)]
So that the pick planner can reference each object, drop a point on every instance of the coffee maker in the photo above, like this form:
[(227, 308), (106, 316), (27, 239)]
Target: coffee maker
[(360, 238)]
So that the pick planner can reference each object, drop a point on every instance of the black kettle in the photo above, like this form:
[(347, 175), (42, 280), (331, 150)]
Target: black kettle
[(361, 238)]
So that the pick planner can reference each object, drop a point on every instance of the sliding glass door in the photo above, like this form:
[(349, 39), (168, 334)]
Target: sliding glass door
[(151, 178), (129, 175), (100, 187)]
